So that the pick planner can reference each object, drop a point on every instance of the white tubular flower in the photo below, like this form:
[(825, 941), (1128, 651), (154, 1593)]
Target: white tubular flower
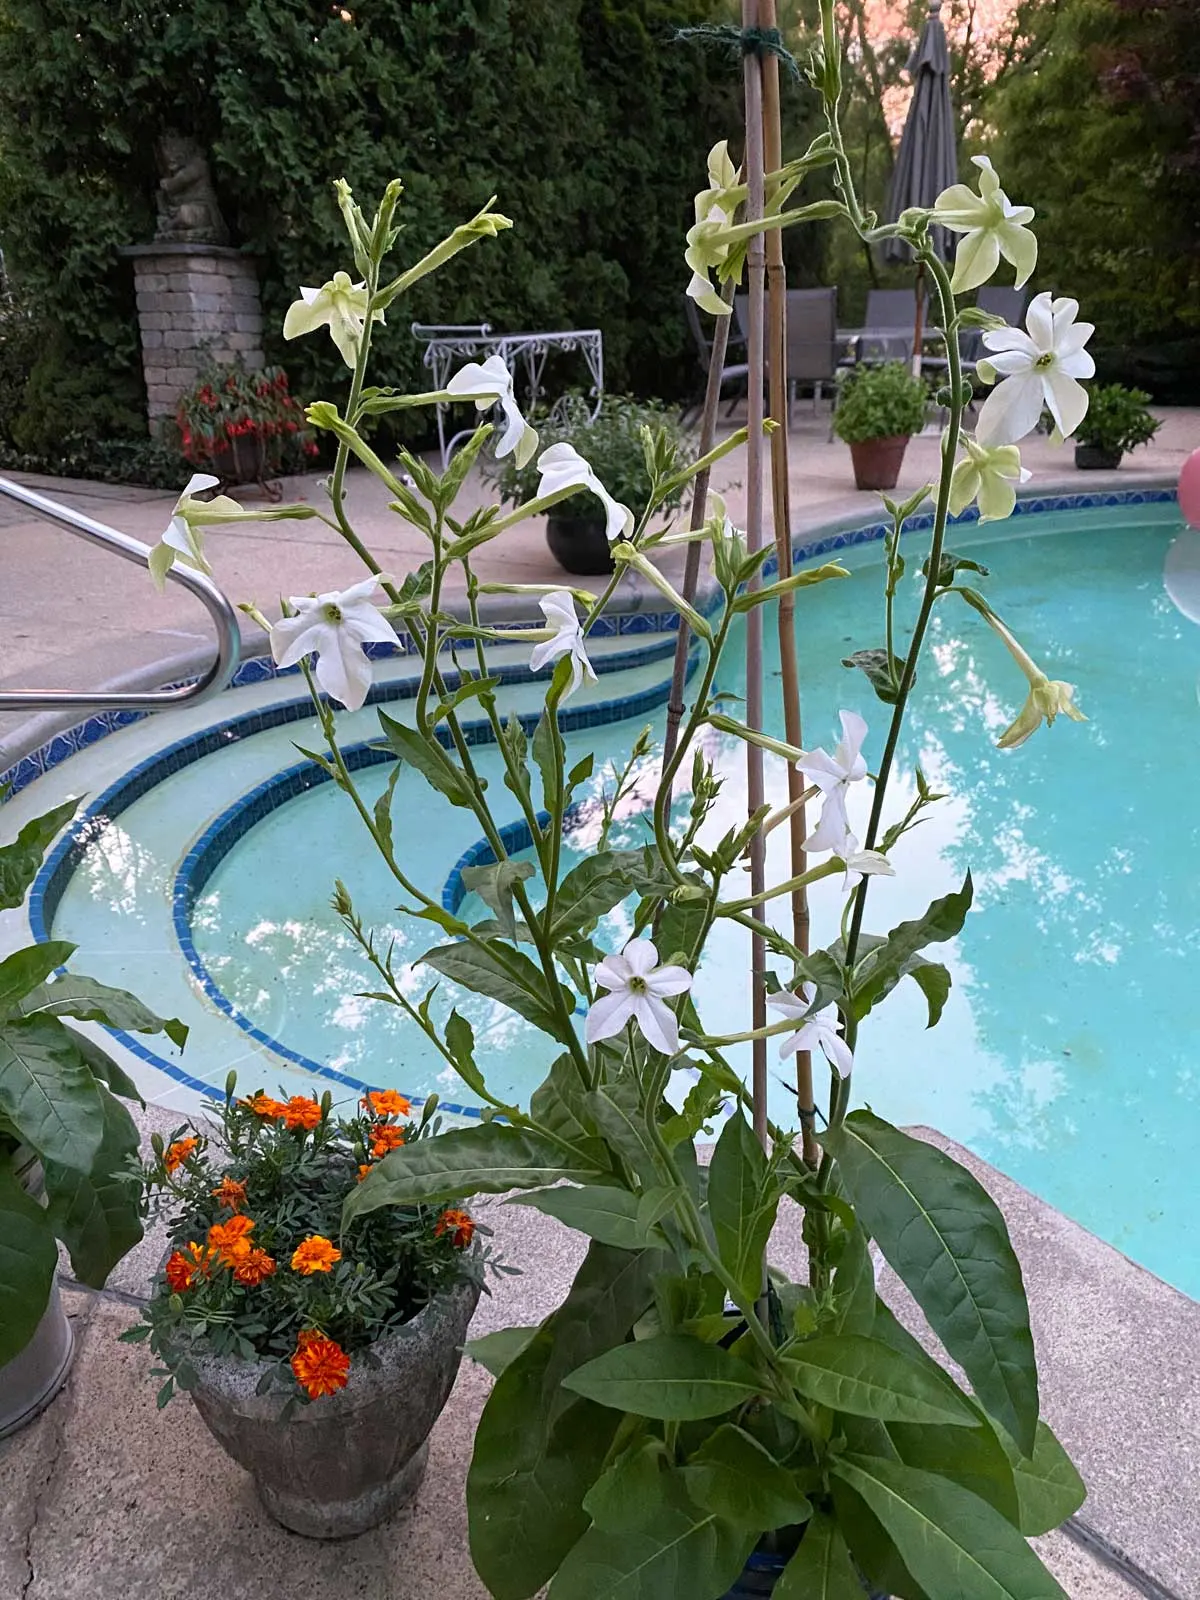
[(989, 476), (559, 611), (181, 540), (562, 467), (340, 306), (1038, 368), (992, 227), (638, 987), (334, 627), (833, 775), (819, 1028), (488, 383), (715, 207), (860, 864), (1047, 698)]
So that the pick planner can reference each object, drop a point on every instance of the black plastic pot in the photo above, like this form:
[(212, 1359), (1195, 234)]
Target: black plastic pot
[(579, 544), (762, 1572), (1092, 458)]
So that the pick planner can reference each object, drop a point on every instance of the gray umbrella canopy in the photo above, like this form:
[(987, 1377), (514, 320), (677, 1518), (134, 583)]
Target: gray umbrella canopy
[(927, 161)]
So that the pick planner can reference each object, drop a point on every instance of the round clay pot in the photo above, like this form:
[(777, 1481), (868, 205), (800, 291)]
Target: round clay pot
[(579, 544), (336, 1466), (877, 462), (1092, 458)]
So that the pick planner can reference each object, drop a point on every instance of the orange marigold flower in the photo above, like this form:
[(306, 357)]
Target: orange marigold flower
[(178, 1153), (363, 1170), (315, 1254), (460, 1225), (264, 1106), (301, 1112), (253, 1267), (229, 1192), (231, 1239), (385, 1137), (321, 1366), (386, 1103), (185, 1266)]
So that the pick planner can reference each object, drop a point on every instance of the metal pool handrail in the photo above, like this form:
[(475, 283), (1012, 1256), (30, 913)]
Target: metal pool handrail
[(229, 639)]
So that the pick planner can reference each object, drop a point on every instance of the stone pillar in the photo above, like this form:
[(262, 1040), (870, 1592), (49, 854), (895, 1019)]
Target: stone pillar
[(194, 301)]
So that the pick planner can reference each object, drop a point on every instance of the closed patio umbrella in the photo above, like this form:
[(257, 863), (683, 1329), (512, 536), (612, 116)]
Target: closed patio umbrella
[(927, 161)]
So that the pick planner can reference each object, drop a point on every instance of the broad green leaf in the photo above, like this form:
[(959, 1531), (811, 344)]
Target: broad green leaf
[(460, 1041), (670, 1377), (882, 672), (539, 1448), (73, 995), (743, 1197), (607, 1214), (949, 564), (29, 968), (853, 1307), (48, 1093), (28, 1257), (558, 1104), (951, 1541), (494, 884), (486, 1159), (95, 1213), (734, 1476), (19, 861), (821, 1569), (429, 759), (595, 886), (506, 974), (867, 1378), (517, 747), (383, 806), (945, 1238), (972, 1457), (498, 1350), (471, 689), (106, 1069), (933, 980), (894, 956), (649, 1540), (1049, 1489), (617, 1112)]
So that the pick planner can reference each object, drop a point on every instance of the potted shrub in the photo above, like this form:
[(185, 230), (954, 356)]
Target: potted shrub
[(65, 1140), (245, 426), (1117, 420), (878, 410), (614, 448), (319, 1357)]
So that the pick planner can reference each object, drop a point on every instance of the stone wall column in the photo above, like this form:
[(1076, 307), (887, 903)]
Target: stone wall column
[(194, 302)]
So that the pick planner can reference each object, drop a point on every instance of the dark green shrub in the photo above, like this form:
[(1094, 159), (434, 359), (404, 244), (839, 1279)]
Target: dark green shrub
[(1117, 419)]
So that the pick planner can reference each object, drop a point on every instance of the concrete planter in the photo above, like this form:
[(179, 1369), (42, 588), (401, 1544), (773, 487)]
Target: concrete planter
[(341, 1464), (33, 1377)]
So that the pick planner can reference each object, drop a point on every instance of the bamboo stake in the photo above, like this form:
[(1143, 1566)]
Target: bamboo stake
[(756, 270), (782, 514)]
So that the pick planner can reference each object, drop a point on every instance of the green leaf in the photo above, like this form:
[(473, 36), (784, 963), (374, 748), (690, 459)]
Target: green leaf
[(617, 1111), (849, 1372), (933, 980), (429, 759), (973, 1457), (95, 1214), (486, 1159), (670, 1377), (949, 564), (500, 1349), (1049, 1489), (853, 1308), (743, 1197), (383, 806), (19, 861), (595, 886), (951, 1541), (73, 995), (945, 1238), (29, 968), (734, 1476), (470, 689), (821, 1569), (460, 1041), (47, 1091), (539, 1448), (607, 1214), (504, 973), (881, 670), (895, 956), (494, 885), (106, 1069), (28, 1257), (649, 1539), (558, 1104), (516, 771)]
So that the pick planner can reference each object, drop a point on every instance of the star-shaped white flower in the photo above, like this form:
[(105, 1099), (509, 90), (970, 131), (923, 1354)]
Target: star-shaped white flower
[(488, 383), (562, 467), (1038, 368), (817, 1028), (860, 864), (637, 986), (992, 227), (833, 775), (334, 627), (559, 611), (340, 306), (989, 476)]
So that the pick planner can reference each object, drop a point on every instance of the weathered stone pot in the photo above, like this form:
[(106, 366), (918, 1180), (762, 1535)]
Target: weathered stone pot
[(341, 1464), (1093, 458), (579, 544), (877, 462)]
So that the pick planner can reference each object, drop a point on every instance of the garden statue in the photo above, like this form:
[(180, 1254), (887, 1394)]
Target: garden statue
[(188, 212)]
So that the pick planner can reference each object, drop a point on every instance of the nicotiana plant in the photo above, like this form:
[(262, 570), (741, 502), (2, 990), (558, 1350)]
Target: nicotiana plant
[(687, 1403)]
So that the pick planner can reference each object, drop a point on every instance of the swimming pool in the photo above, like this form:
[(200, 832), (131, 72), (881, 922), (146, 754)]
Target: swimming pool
[(1064, 1056)]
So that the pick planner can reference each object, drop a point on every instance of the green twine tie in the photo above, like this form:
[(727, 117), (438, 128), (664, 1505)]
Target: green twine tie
[(742, 41)]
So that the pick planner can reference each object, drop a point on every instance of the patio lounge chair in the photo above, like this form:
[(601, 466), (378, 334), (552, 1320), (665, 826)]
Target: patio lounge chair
[(812, 347), (734, 372)]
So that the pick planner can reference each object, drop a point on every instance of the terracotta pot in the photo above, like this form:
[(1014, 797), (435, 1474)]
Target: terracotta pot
[(579, 544), (1092, 457), (877, 462), (337, 1466)]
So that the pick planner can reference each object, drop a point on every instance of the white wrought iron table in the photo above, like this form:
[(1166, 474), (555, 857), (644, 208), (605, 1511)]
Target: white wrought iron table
[(524, 354)]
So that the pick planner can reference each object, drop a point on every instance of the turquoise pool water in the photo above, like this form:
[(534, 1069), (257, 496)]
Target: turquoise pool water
[(1065, 1055)]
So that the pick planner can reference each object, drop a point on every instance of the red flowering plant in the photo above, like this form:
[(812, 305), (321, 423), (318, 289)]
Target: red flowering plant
[(229, 401), (260, 1266)]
